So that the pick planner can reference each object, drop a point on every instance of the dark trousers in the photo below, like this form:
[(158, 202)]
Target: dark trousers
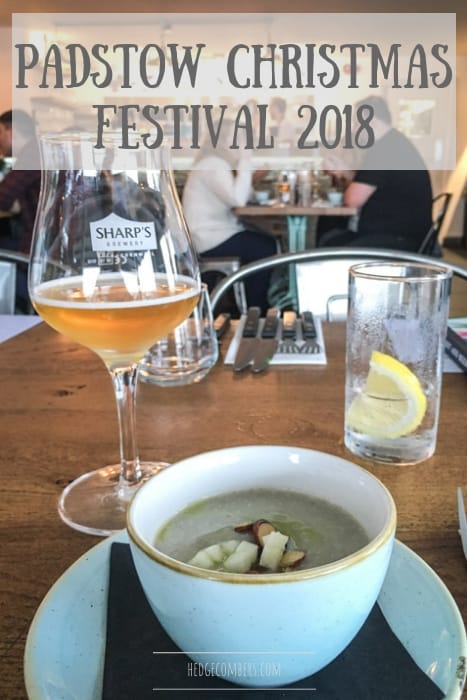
[(249, 246)]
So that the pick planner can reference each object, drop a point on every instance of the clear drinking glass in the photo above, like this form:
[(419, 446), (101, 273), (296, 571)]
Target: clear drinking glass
[(396, 331), (187, 353), (112, 268)]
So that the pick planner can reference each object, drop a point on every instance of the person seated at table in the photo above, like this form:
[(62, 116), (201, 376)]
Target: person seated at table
[(221, 179), (395, 204), (19, 189)]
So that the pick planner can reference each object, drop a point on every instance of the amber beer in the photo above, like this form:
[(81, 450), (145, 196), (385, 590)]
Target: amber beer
[(117, 325)]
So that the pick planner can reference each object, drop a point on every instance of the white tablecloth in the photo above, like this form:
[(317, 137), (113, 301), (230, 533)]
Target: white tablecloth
[(13, 325)]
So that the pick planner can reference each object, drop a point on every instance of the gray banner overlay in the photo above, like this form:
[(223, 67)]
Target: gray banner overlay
[(283, 90)]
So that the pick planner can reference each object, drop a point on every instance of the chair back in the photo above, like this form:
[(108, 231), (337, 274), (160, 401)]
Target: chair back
[(430, 244), (346, 258), (7, 287), (225, 266), (10, 260), (322, 287)]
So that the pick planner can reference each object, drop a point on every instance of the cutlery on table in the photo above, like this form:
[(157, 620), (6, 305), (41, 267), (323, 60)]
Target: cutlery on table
[(246, 349), (267, 343), (311, 345), (289, 333), (462, 519)]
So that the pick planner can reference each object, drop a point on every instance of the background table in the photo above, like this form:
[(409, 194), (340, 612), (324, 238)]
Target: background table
[(297, 221), (58, 419), (296, 216)]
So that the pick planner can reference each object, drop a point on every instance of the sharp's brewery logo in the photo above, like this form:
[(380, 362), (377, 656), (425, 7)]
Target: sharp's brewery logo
[(115, 233)]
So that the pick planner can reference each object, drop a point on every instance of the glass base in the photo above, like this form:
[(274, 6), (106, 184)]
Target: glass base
[(96, 503), (404, 451)]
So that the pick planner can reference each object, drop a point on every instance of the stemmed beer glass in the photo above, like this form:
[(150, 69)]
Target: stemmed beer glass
[(113, 268)]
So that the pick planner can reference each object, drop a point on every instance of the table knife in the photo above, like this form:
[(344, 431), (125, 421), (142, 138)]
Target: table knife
[(308, 325), (246, 349), (267, 343)]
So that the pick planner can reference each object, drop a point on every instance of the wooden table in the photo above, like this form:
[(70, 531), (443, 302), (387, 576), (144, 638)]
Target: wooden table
[(297, 221), (297, 217), (58, 419)]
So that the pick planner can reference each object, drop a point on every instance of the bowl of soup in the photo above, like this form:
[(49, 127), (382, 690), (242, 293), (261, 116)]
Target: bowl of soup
[(262, 562)]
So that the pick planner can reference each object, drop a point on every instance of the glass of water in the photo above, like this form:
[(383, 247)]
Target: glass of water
[(396, 331), (187, 354)]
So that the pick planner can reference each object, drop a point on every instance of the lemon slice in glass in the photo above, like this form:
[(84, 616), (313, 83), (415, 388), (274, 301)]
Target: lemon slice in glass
[(392, 403)]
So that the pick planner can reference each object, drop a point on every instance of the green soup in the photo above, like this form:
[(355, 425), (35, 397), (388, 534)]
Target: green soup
[(325, 532)]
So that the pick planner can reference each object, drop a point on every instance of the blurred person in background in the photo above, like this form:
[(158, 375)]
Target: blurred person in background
[(394, 205), (19, 189), (220, 180)]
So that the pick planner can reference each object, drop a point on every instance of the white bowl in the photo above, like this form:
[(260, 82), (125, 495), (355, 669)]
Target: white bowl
[(262, 629), (335, 198), (261, 196)]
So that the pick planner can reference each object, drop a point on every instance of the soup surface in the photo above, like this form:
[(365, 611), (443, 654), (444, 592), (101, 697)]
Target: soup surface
[(325, 532)]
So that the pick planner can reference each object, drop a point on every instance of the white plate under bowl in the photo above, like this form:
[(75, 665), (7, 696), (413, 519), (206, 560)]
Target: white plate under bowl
[(64, 653)]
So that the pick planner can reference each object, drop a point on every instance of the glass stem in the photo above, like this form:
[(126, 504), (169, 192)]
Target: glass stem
[(124, 382)]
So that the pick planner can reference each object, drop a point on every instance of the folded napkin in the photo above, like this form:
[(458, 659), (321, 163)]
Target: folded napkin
[(374, 665), (315, 354)]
